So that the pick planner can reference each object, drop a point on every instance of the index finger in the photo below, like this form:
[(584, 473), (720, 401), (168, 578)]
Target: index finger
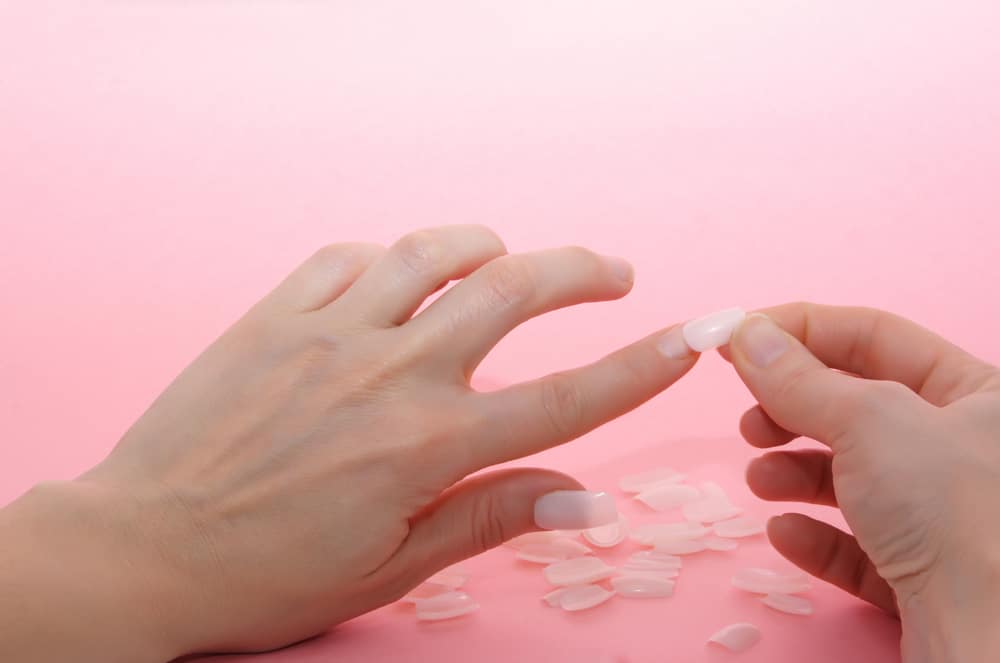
[(527, 418), (879, 345)]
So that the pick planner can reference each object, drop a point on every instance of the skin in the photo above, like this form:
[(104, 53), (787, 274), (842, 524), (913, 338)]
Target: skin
[(311, 465), (912, 426), (235, 515)]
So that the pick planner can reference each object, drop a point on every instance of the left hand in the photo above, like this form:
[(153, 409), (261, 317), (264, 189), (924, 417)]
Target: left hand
[(310, 465)]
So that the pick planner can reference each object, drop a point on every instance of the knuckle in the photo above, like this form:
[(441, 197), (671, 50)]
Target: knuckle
[(793, 384), (320, 344), (637, 368), (333, 256), (563, 405), (589, 261), (581, 253), (419, 251), (831, 559), (489, 526), (490, 234), (888, 391), (875, 399), (510, 281), (329, 253), (864, 407)]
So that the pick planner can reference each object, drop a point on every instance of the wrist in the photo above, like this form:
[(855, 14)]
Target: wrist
[(71, 564), (955, 617)]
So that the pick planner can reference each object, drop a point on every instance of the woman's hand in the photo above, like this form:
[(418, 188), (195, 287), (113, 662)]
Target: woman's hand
[(913, 427), (311, 465)]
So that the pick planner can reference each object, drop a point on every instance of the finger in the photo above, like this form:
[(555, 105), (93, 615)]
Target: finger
[(527, 418), (323, 277), (472, 517), (725, 353), (793, 476), (800, 394), (471, 318), (393, 288), (831, 555), (760, 430), (883, 346)]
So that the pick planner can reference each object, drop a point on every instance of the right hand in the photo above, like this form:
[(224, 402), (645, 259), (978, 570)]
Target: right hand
[(912, 423)]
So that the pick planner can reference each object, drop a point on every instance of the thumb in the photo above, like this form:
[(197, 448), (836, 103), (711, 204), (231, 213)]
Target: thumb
[(474, 516), (801, 394)]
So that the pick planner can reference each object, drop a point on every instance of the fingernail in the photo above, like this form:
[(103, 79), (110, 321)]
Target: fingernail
[(761, 340), (575, 509), (673, 345), (621, 268), (714, 330)]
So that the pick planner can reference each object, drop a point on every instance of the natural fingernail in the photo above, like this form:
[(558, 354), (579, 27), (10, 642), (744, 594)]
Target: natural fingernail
[(713, 330), (673, 345), (621, 268), (761, 340), (575, 509)]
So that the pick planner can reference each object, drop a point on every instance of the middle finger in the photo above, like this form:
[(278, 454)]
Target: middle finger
[(471, 318)]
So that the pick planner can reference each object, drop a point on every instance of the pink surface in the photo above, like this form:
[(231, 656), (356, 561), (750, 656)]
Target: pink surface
[(163, 163), (514, 624)]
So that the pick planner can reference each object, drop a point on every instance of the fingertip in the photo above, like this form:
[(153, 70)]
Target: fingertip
[(778, 530), (789, 534), (776, 525), (726, 353), (673, 346), (759, 430), (760, 341), (768, 480), (622, 270), (749, 428), (758, 475), (501, 246)]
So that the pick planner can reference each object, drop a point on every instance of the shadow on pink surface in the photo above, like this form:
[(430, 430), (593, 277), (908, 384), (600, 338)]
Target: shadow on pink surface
[(515, 625)]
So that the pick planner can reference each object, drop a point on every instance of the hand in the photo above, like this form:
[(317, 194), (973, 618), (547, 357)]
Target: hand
[(913, 427), (310, 465)]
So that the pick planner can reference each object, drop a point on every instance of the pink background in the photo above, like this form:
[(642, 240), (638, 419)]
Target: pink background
[(163, 163)]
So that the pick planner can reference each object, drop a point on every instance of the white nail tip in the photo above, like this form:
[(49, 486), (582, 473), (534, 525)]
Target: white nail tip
[(663, 497), (647, 534), (642, 586), (552, 598), (607, 536), (679, 546), (575, 509), (583, 597), (651, 561), (766, 581), (453, 578), (713, 491), (558, 550), (633, 568), (445, 606), (534, 538), (426, 590), (714, 330), (654, 557), (710, 511), (579, 571), (793, 605), (737, 637), (636, 483), (719, 544), (738, 528)]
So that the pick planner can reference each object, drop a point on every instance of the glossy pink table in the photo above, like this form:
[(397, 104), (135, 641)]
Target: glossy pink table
[(163, 163)]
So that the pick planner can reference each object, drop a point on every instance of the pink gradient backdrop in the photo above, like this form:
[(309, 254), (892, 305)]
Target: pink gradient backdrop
[(164, 163)]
